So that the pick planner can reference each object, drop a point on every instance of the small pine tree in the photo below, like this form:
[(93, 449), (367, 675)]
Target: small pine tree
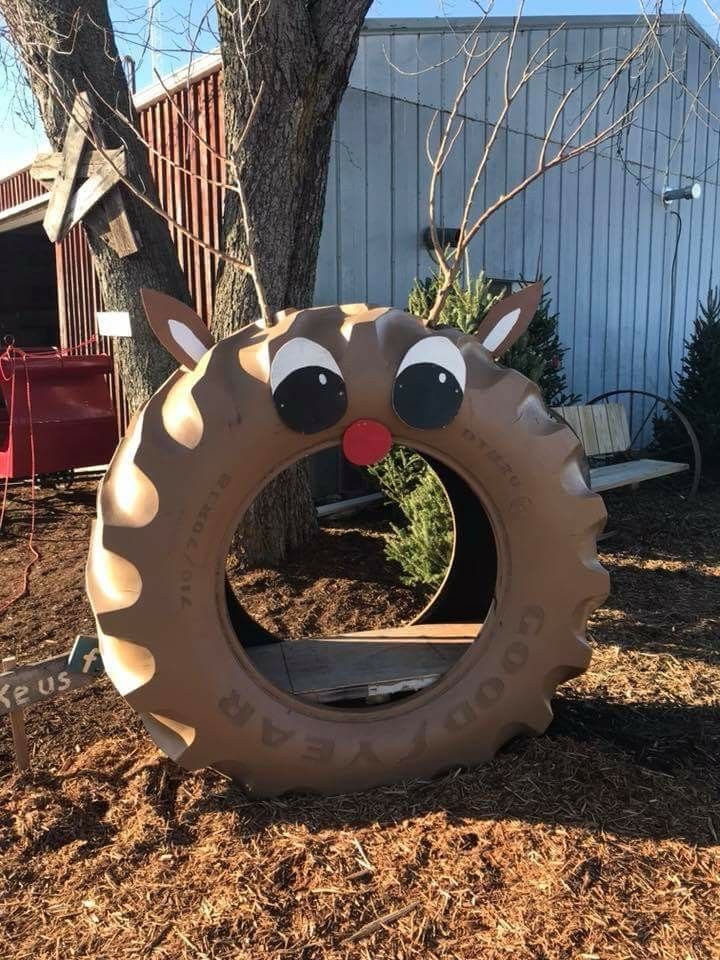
[(423, 546), (698, 388), (465, 306), (538, 354)]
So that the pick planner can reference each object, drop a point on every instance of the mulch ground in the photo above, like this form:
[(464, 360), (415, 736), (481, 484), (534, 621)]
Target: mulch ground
[(596, 841)]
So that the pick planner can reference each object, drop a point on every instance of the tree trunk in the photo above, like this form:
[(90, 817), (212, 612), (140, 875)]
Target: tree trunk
[(299, 57), (301, 53), (68, 46)]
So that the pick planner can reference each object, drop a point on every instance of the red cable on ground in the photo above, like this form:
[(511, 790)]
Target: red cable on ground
[(10, 353), (8, 379)]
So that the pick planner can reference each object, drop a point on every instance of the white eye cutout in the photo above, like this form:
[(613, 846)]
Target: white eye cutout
[(501, 330), (186, 340), (296, 354), (439, 351)]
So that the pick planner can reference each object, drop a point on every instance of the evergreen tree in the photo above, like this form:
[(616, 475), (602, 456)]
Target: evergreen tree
[(538, 354), (465, 306), (698, 389), (423, 545)]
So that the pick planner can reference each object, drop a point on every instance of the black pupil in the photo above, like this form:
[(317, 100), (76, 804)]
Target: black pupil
[(311, 399), (426, 396)]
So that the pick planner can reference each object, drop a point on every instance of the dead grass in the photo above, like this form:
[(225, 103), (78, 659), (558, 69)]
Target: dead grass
[(597, 841)]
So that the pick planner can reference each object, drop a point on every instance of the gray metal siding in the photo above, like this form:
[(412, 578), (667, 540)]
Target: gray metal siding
[(596, 226)]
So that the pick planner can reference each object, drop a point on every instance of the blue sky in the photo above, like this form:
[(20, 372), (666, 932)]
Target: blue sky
[(21, 140)]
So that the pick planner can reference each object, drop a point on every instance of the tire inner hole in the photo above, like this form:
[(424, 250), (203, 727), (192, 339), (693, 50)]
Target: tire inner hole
[(344, 582)]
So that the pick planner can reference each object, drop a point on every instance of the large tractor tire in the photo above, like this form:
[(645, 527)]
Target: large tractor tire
[(192, 462)]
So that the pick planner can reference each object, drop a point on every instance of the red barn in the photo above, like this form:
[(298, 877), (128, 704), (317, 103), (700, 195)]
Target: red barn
[(50, 292)]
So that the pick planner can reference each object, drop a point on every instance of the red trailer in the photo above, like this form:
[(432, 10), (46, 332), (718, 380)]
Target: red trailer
[(56, 412)]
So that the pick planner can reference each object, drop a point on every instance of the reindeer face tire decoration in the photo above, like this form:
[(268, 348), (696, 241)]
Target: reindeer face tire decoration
[(235, 415)]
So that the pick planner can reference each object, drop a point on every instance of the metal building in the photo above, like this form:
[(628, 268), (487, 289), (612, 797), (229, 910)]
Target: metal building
[(597, 226)]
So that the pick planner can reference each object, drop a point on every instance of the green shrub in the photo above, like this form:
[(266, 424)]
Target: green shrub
[(422, 546), (465, 306)]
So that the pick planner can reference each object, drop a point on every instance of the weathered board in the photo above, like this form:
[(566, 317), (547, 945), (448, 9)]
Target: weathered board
[(46, 165), (98, 200), (88, 194), (370, 665), (73, 146), (37, 682), (602, 427), (364, 666), (632, 472), (121, 236)]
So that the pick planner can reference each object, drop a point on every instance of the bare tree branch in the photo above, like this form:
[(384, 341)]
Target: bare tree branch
[(552, 152)]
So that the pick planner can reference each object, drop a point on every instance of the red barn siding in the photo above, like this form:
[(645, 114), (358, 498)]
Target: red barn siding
[(185, 136), (18, 188), (79, 299)]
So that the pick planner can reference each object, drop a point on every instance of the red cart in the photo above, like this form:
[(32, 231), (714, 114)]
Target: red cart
[(61, 406)]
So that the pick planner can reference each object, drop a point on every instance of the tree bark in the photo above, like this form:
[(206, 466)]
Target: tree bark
[(301, 53), (68, 46), (299, 56)]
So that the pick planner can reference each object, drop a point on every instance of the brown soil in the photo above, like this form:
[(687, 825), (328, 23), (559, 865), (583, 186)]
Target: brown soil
[(342, 583), (597, 840)]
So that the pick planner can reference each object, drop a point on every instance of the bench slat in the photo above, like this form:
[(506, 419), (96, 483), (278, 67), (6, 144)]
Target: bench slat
[(361, 665), (619, 427), (603, 427), (589, 432), (634, 471)]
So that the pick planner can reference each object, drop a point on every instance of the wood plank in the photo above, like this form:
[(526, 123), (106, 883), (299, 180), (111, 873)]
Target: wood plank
[(619, 427), (602, 429), (634, 471), (372, 664), (85, 198), (73, 146), (571, 415), (121, 236), (46, 165), (416, 631), (588, 431), (37, 682), (17, 725)]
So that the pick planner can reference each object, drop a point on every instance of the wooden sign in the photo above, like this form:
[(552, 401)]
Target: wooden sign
[(86, 182), (85, 657), (38, 682)]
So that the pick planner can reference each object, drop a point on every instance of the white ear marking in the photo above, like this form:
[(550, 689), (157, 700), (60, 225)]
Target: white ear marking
[(501, 330), (186, 340)]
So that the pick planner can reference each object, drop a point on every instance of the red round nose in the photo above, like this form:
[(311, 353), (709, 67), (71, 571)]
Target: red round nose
[(365, 442)]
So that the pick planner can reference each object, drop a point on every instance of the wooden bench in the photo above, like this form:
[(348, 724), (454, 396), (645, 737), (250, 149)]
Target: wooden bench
[(604, 432), (371, 666)]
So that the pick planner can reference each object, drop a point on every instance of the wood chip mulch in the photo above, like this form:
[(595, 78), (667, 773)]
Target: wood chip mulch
[(596, 841)]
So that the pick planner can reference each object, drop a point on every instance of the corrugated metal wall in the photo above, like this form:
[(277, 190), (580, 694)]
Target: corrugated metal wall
[(597, 226)]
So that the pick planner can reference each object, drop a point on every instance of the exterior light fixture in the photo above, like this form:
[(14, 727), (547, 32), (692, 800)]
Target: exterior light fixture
[(447, 237), (691, 192)]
